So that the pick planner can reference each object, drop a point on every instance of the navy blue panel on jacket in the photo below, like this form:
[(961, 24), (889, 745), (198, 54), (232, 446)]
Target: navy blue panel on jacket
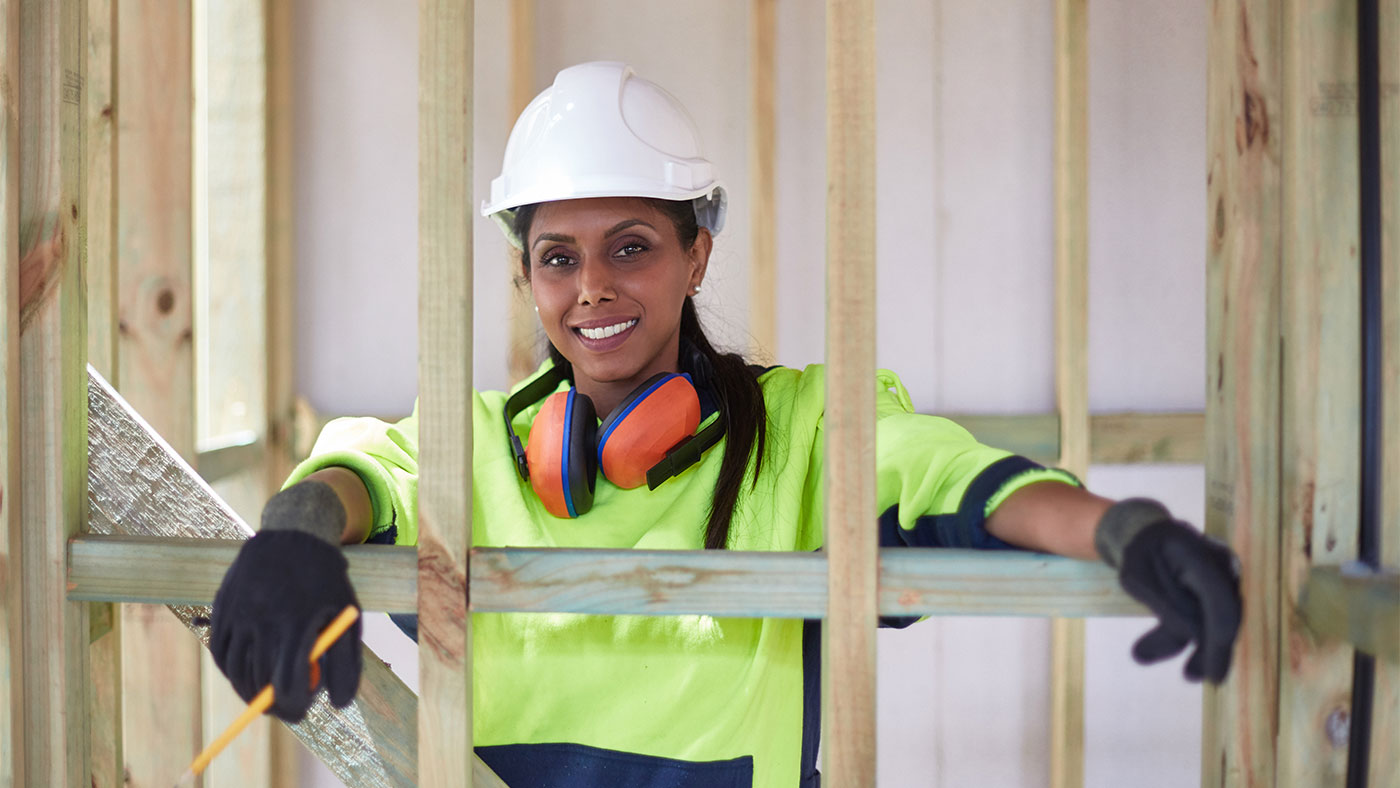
[(577, 766), (966, 528)]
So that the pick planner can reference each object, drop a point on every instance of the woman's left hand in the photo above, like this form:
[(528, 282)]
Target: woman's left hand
[(1187, 579)]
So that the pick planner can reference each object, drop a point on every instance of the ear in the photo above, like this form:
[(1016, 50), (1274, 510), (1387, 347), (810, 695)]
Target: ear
[(700, 256)]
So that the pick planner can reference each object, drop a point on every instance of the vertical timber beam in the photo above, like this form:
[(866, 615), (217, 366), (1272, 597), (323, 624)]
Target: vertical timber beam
[(1320, 374), (1071, 358), (763, 119), (281, 396), (522, 354), (99, 105), (52, 374), (1385, 725), (445, 391), (280, 238), (155, 363), (1243, 254), (99, 110), (12, 605), (848, 636)]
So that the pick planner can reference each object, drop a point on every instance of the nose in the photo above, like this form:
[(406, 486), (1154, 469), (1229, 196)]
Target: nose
[(595, 281)]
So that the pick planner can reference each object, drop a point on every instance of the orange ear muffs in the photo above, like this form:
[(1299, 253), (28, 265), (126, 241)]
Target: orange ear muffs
[(653, 419), (561, 456), (649, 438)]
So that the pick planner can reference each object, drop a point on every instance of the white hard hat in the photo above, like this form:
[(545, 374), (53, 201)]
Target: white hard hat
[(602, 131)]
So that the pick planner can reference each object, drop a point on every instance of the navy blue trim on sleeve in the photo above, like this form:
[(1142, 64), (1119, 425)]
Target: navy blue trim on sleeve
[(389, 536), (568, 765), (965, 528)]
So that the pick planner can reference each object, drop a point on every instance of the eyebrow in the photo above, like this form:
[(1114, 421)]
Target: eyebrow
[(614, 230)]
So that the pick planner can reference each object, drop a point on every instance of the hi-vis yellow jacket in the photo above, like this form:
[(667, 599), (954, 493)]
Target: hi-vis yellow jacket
[(676, 701)]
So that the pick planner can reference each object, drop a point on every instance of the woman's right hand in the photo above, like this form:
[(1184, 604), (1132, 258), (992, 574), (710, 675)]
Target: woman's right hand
[(286, 585)]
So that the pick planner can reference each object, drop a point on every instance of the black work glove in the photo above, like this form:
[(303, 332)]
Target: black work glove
[(1186, 578), (286, 585)]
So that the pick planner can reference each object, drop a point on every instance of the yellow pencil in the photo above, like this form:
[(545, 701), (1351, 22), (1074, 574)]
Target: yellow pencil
[(263, 700)]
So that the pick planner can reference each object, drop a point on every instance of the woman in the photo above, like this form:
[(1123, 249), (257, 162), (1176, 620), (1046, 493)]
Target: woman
[(605, 192)]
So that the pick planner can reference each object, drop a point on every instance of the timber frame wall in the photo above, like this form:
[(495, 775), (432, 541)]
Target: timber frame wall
[(1279, 439)]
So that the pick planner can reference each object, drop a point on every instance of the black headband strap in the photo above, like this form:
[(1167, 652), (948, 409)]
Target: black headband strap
[(686, 453), (533, 392)]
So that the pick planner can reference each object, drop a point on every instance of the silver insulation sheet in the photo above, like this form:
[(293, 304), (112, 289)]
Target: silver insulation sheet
[(137, 485)]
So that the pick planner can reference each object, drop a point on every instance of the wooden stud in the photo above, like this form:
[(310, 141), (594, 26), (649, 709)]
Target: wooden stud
[(523, 351), (445, 390), (624, 582), (285, 769), (1320, 373), (12, 606), (162, 688), (52, 348), (763, 213), (1385, 722), (154, 223), (1243, 88), (99, 111), (281, 281), (281, 374), (848, 634), (1071, 358), (99, 114)]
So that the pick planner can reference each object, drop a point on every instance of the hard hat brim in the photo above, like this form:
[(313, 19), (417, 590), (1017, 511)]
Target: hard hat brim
[(710, 217)]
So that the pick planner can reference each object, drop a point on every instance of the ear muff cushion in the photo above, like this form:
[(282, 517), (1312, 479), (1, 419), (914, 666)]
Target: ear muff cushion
[(660, 414), (560, 454)]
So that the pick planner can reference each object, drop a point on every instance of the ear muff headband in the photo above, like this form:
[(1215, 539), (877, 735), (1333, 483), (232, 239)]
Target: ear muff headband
[(533, 392)]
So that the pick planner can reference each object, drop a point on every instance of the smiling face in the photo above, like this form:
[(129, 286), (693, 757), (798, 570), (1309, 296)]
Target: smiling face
[(609, 276)]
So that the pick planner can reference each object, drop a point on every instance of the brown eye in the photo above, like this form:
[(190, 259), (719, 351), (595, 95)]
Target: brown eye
[(554, 258), (631, 248)]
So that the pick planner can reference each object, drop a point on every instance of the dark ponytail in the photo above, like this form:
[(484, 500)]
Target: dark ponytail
[(746, 426), (735, 385)]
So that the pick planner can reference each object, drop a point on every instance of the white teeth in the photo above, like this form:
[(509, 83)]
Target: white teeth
[(607, 331)]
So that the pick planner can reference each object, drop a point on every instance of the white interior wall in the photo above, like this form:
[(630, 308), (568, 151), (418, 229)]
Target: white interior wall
[(965, 284)]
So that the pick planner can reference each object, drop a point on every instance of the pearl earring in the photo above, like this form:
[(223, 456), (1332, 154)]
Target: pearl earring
[(696, 291)]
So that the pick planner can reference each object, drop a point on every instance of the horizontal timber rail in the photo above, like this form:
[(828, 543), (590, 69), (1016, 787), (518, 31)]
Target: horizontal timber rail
[(1127, 438), (913, 581), (1356, 604), (1114, 438)]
